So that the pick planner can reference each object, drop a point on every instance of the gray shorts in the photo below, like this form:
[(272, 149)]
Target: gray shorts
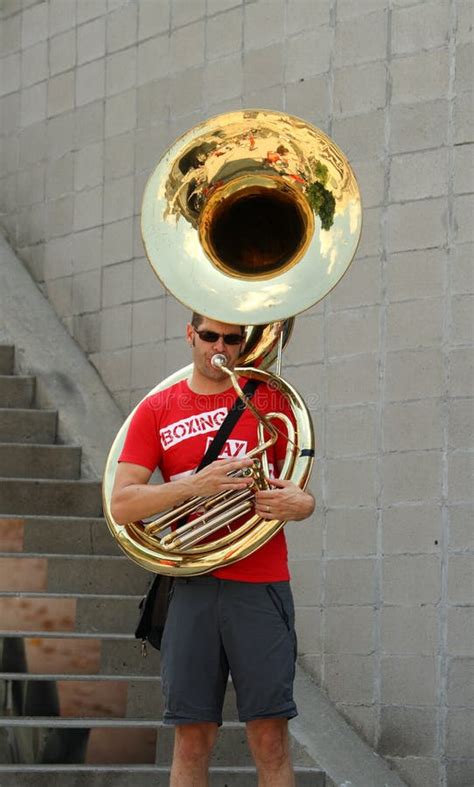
[(215, 626)]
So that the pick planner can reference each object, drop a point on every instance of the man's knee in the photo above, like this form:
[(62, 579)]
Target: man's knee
[(268, 740), (195, 741)]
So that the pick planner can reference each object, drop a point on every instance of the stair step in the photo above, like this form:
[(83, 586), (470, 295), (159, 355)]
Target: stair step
[(19, 460), (33, 634), (92, 574), (231, 747), (59, 534), (16, 391), (95, 615), (27, 426), (135, 776), (126, 654), (32, 676), (82, 698), (7, 355), (92, 696), (68, 722), (44, 496), (66, 612), (78, 654)]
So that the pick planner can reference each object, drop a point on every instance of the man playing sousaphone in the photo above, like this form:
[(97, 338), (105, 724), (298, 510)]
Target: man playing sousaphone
[(250, 217), (238, 618)]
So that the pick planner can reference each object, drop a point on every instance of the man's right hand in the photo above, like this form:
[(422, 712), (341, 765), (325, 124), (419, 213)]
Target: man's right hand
[(215, 477), (133, 498)]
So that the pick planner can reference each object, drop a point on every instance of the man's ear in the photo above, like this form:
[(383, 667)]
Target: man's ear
[(190, 334)]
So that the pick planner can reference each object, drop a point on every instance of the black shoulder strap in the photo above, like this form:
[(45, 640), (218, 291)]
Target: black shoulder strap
[(228, 424)]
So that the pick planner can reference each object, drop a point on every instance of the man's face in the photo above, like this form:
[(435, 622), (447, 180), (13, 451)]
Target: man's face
[(203, 351)]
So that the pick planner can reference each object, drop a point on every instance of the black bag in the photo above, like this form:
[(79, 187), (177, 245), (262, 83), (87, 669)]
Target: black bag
[(153, 610), (154, 605)]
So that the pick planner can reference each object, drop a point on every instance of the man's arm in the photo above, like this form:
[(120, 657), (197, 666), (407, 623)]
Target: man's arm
[(133, 498)]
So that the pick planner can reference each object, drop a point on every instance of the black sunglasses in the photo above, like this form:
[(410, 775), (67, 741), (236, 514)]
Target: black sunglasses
[(212, 337)]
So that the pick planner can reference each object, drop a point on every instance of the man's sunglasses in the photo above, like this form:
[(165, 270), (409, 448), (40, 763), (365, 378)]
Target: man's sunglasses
[(212, 337)]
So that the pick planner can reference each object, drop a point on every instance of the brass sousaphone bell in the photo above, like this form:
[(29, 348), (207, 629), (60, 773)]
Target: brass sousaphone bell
[(249, 218)]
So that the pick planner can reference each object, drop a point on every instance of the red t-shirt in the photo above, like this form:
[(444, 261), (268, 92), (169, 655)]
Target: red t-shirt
[(172, 430)]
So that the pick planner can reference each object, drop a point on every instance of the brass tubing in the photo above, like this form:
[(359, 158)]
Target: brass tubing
[(231, 535), (225, 518), (165, 520), (245, 494), (173, 515)]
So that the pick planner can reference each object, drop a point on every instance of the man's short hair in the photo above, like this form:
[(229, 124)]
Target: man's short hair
[(197, 319)]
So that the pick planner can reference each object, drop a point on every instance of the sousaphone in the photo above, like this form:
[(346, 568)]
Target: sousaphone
[(249, 218)]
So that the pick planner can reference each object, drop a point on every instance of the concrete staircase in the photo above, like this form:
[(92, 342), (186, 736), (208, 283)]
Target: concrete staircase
[(80, 705)]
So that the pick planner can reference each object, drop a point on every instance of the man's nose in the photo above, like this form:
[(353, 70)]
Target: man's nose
[(219, 345)]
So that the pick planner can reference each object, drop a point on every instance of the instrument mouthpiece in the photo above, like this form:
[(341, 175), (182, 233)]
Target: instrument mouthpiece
[(218, 360)]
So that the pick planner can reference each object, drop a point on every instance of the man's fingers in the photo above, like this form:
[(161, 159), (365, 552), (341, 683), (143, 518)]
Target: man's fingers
[(267, 495), (233, 480), (245, 461), (279, 482), (229, 465), (265, 501), (233, 487), (262, 512)]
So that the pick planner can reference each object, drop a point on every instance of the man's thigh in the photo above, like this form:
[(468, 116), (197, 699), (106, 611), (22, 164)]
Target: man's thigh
[(258, 634), (194, 668)]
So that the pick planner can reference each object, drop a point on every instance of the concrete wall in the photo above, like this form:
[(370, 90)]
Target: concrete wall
[(92, 92)]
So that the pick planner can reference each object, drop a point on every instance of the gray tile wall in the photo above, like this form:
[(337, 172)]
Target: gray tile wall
[(91, 93)]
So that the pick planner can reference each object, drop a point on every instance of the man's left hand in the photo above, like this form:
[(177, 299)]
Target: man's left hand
[(285, 501)]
